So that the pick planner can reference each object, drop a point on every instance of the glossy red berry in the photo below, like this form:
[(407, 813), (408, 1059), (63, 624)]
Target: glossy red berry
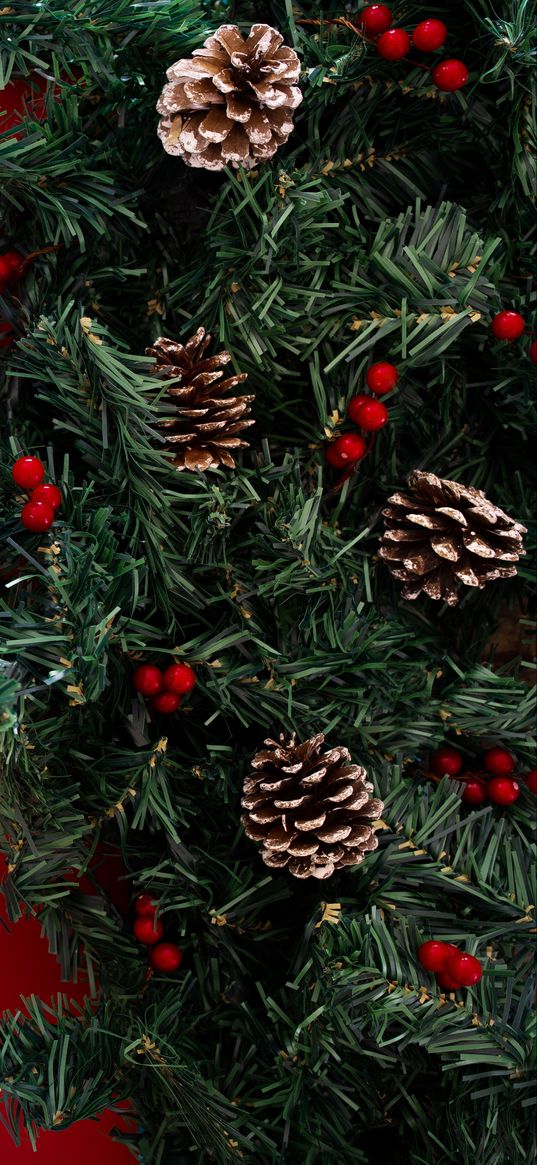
[(433, 955), (533, 352), (47, 492), (464, 969), (531, 781), (179, 678), (499, 761), (166, 957), (394, 44), (446, 982), (508, 325), (145, 906), (474, 792), (166, 703), (446, 761), (147, 680), (10, 263), (368, 412), (148, 930), (429, 35), (381, 377), (503, 790), (450, 75), (28, 472), (374, 19), (37, 516), (346, 450)]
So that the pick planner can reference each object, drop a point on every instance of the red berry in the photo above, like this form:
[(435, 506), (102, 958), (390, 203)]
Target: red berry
[(346, 450), (429, 35), (368, 412), (47, 492), (37, 516), (166, 703), (179, 678), (145, 906), (533, 352), (531, 781), (464, 969), (499, 761), (446, 761), (444, 980), (474, 792), (381, 377), (147, 680), (374, 19), (433, 955), (450, 75), (503, 790), (508, 325), (10, 263), (166, 957), (394, 44), (148, 930), (28, 472)]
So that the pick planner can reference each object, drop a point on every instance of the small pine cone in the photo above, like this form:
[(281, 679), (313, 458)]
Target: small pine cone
[(440, 533), (231, 103), (311, 810), (202, 424)]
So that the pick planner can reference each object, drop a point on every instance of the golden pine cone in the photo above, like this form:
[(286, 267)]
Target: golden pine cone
[(231, 102), (202, 424), (440, 533), (311, 810)]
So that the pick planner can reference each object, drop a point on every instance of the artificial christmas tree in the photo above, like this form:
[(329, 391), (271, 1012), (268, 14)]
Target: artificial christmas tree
[(365, 246)]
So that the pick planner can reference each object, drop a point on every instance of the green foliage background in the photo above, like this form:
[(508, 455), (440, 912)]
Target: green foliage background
[(395, 222)]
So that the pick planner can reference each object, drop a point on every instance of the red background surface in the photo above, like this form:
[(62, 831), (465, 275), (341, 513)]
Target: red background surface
[(27, 968)]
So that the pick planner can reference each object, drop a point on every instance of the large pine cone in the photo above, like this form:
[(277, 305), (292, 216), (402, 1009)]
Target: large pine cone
[(310, 809), (231, 103), (439, 533), (203, 425)]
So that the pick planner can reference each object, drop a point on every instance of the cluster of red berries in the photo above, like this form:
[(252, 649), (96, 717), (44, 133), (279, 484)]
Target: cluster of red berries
[(148, 929), (367, 412), (45, 498), (451, 967), (394, 43), (510, 326), (494, 782), (164, 689)]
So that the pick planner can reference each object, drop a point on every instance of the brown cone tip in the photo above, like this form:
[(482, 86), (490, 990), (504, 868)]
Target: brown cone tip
[(440, 533), (309, 808), (200, 423), (231, 103)]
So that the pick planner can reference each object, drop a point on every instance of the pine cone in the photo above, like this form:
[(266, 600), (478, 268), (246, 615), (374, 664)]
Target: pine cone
[(204, 423), (310, 809), (440, 532), (231, 103)]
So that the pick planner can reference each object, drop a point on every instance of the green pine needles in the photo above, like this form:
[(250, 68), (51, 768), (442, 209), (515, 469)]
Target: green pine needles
[(300, 1028)]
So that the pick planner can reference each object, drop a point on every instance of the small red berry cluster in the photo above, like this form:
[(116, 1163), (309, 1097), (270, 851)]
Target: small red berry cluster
[(510, 326), (494, 782), (164, 688), (367, 412), (45, 498), (394, 43), (148, 929), (451, 967)]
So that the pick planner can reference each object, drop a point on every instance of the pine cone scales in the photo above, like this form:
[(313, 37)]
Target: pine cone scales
[(231, 103), (440, 533), (311, 810), (204, 424)]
